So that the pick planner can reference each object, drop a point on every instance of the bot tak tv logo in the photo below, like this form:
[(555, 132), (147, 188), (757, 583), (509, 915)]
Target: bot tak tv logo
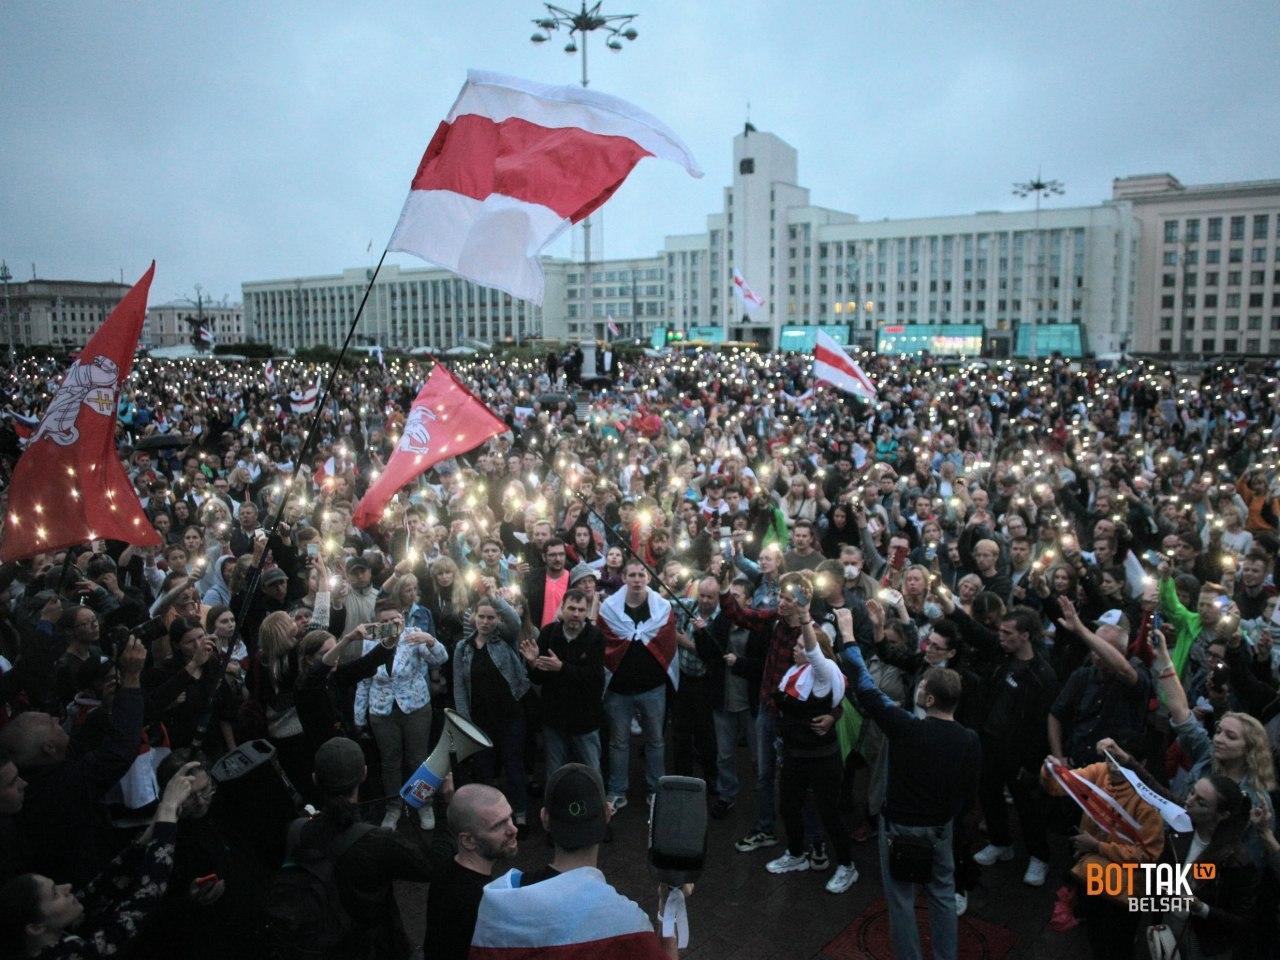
[(1148, 887)]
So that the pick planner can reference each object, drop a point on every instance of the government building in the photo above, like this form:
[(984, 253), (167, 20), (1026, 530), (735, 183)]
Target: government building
[(1159, 268)]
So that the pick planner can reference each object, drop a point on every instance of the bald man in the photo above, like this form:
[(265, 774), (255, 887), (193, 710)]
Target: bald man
[(480, 818), (1105, 697), (64, 829)]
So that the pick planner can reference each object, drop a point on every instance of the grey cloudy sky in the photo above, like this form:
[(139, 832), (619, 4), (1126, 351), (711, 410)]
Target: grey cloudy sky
[(236, 141)]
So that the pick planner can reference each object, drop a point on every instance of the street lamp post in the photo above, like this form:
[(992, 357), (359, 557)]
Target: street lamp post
[(1038, 187), (587, 20), (5, 277)]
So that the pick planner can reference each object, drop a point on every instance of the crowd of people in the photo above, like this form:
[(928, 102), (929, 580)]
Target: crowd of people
[(920, 614)]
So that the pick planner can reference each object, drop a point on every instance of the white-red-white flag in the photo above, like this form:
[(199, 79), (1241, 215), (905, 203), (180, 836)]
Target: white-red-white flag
[(831, 364), (513, 166), (304, 401), (1097, 804), (751, 301), (613, 327), (269, 373)]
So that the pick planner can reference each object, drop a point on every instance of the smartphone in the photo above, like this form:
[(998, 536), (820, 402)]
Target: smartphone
[(382, 631), (899, 556), (1152, 558), (313, 549), (1222, 602), (931, 552), (207, 881), (890, 596), (725, 532)]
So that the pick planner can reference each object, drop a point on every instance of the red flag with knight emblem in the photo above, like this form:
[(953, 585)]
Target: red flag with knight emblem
[(445, 420), (69, 486)]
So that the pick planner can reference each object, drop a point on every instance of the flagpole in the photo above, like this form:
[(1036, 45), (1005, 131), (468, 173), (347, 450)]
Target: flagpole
[(255, 574)]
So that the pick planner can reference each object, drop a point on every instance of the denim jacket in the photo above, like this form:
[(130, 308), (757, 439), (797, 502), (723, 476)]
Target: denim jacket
[(503, 648)]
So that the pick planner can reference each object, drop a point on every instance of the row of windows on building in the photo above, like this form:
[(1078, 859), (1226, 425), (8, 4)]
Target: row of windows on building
[(625, 290), (1210, 301), (1232, 322), (650, 308), (943, 307), (1214, 345), (1189, 230), (1191, 258), (613, 276)]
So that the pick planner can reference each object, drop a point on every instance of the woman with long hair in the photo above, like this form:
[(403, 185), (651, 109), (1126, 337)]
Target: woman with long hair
[(1239, 748), (810, 761), (179, 689), (839, 529), (229, 648), (489, 685), (611, 572), (915, 592), (446, 596), (270, 709), (403, 592), (581, 544)]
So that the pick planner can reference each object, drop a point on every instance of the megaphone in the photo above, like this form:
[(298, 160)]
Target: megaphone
[(461, 738)]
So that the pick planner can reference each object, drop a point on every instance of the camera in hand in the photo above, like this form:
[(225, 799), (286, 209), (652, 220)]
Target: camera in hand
[(678, 830), (384, 631)]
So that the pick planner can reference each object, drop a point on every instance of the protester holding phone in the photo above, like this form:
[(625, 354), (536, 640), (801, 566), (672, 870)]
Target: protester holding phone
[(396, 704)]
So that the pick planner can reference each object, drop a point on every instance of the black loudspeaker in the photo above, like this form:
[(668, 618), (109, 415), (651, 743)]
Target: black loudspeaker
[(678, 830), (255, 800)]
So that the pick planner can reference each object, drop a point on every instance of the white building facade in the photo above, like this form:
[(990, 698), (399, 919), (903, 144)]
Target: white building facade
[(171, 324), (1209, 282)]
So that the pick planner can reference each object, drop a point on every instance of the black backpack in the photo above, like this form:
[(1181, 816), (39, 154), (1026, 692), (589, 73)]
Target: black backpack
[(305, 918)]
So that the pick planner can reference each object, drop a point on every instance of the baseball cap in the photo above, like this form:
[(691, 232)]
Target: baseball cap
[(1111, 618), (574, 801), (357, 563), (581, 571), (274, 575), (339, 766)]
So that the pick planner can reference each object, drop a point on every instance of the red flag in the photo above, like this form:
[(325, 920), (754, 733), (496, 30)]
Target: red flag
[(445, 420), (70, 487)]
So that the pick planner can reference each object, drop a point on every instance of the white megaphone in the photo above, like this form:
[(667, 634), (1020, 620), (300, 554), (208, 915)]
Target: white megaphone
[(461, 738)]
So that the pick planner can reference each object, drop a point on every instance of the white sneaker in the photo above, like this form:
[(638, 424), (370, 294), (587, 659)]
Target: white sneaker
[(636, 729), (391, 817), (788, 864), (962, 904), (991, 853), (1037, 870), (427, 817), (617, 801), (842, 879)]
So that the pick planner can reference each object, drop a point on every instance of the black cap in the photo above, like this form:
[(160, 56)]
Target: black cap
[(357, 563), (339, 766), (574, 801)]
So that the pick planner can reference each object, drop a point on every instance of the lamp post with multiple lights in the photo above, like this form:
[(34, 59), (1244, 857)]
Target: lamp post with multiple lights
[(1039, 188), (5, 277), (579, 25)]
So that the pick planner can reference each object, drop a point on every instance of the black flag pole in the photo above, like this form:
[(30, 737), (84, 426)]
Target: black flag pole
[(255, 575)]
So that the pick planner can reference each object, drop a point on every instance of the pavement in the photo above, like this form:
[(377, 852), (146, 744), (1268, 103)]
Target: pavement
[(740, 911)]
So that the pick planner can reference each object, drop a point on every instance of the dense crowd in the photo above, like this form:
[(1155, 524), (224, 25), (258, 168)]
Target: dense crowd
[(920, 613)]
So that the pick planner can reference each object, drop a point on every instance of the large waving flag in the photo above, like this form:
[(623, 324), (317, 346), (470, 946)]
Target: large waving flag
[(751, 301), (69, 486), (832, 365), (658, 633), (574, 916), (445, 420), (304, 401), (513, 166)]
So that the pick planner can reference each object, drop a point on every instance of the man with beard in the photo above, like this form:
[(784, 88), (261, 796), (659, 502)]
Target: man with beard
[(480, 817)]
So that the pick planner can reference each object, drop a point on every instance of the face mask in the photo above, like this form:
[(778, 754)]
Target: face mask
[(851, 571)]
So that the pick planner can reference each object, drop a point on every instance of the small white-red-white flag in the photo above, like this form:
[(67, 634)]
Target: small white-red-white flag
[(613, 327), (751, 301), (832, 365), (513, 166), (269, 373)]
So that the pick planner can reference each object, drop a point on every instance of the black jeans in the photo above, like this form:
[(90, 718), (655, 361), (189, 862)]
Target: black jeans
[(693, 730), (1000, 769), (796, 777)]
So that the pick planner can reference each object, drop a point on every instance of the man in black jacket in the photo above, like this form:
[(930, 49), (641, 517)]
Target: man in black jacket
[(734, 657), (567, 660), (63, 826)]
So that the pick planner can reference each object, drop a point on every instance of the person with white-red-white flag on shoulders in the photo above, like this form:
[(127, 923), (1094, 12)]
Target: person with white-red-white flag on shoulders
[(567, 909), (639, 630), (831, 364), (516, 164)]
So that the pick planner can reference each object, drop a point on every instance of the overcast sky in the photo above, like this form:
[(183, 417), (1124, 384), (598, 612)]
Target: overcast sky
[(237, 142)]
